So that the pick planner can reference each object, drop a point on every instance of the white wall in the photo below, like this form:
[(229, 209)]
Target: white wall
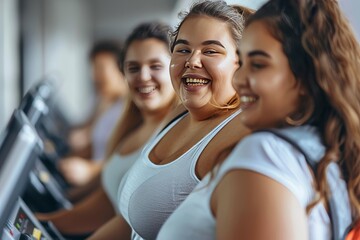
[(184, 5), (9, 60), (351, 9), (253, 4), (68, 37), (57, 38), (116, 18)]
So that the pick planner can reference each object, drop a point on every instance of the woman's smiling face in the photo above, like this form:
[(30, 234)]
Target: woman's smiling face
[(203, 62), (146, 69), (264, 81)]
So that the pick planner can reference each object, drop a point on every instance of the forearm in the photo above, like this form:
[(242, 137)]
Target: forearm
[(86, 216), (116, 228), (77, 194), (78, 171)]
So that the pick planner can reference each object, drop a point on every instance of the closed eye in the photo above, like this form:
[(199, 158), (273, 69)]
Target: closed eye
[(156, 67), (182, 51), (257, 65), (133, 69), (210, 51)]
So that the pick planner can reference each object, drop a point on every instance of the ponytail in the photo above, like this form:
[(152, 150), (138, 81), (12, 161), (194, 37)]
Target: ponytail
[(329, 40)]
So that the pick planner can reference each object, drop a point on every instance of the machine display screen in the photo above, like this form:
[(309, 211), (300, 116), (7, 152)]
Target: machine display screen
[(24, 224)]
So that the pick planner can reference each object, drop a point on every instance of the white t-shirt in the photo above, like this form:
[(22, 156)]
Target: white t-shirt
[(271, 156)]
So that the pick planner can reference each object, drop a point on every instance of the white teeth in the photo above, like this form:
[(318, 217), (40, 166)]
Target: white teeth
[(247, 99), (196, 81), (146, 89)]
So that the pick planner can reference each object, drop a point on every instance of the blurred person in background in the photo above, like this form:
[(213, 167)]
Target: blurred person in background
[(88, 142), (146, 59)]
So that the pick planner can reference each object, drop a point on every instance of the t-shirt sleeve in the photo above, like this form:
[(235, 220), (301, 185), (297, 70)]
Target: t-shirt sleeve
[(267, 154)]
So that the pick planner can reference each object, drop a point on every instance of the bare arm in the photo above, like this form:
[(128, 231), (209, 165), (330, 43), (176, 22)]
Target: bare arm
[(85, 217), (76, 194), (79, 171), (173, 114), (248, 205), (80, 141), (116, 228)]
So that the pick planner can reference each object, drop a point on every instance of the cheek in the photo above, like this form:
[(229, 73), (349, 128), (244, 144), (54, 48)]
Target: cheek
[(266, 82), (164, 79), (129, 81), (176, 66), (221, 69), (278, 95), (236, 80), (175, 75)]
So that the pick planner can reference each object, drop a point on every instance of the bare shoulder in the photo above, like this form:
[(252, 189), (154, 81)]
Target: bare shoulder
[(221, 145), (229, 135), (178, 110), (232, 132)]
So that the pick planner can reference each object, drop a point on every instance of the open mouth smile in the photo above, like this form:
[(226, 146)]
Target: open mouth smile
[(146, 90), (195, 81), (247, 101)]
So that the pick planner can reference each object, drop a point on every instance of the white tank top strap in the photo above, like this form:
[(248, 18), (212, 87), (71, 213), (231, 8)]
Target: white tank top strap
[(149, 193), (203, 142), (200, 146)]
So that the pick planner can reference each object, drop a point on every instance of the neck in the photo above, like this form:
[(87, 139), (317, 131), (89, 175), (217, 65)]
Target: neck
[(200, 115), (112, 96), (152, 118)]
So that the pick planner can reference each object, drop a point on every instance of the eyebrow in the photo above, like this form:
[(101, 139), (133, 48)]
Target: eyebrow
[(181, 41), (208, 42), (153, 60), (258, 53), (130, 62)]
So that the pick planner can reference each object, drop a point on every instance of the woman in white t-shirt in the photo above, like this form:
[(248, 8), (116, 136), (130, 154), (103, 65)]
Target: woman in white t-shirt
[(299, 75)]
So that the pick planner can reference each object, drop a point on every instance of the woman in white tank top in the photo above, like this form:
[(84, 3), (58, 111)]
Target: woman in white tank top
[(299, 76), (204, 59), (151, 99)]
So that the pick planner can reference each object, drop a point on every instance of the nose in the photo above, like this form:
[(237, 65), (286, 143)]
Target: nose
[(145, 74), (194, 61)]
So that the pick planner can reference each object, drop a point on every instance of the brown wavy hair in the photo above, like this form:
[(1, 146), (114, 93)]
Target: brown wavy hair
[(324, 56)]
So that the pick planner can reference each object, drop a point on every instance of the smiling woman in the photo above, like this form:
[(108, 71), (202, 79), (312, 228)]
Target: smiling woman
[(152, 97), (210, 59), (144, 68), (267, 72), (297, 175), (204, 59)]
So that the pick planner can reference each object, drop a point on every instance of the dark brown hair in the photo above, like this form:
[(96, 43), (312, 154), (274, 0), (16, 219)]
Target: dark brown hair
[(143, 31), (106, 46)]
